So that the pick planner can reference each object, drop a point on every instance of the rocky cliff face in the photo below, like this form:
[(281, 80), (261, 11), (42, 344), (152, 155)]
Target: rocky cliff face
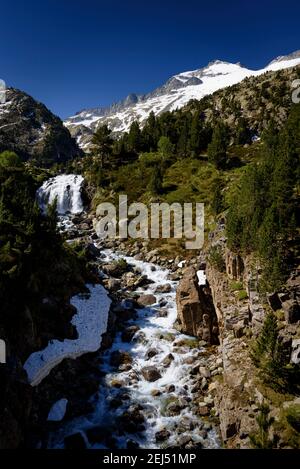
[(238, 394), (31, 130)]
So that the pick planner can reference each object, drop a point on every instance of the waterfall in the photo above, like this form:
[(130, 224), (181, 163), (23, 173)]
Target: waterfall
[(66, 188)]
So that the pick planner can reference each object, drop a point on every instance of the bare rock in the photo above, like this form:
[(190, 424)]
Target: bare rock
[(151, 373)]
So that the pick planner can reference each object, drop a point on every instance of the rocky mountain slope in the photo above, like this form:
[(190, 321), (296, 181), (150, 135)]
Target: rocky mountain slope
[(174, 94), (31, 130)]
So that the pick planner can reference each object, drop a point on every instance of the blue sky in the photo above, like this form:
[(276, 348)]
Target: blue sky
[(72, 54)]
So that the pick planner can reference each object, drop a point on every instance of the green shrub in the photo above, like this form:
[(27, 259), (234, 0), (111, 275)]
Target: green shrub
[(216, 259), (236, 286), (261, 439)]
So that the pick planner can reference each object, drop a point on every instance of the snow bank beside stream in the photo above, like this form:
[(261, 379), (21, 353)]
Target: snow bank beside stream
[(90, 322)]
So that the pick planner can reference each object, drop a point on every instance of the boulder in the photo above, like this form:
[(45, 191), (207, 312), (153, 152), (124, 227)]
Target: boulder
[(167, 360), (195, 309), (132, 419), (162, 313), (166, 288), (146, 300), (119, 357), (151, 373), (151, 352), (162, 435), (129, 332)]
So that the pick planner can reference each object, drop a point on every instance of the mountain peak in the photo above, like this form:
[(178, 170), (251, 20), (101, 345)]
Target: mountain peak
[(283, 58), (175, 93)]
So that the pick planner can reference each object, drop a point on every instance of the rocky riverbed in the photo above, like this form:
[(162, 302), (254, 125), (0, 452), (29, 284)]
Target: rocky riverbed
[(155, 388)]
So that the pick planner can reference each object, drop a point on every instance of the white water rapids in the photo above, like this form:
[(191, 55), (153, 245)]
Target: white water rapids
[(121, 390), (156, 333)]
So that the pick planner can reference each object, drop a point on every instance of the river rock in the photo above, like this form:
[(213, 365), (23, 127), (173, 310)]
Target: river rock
[(163, 288), (132, 419), (151, 352), (129, 332), (119, 357), (146, 300), (162, 435), (113, 284), (167, 360), (170, 388), (151, 373), (162, 313)]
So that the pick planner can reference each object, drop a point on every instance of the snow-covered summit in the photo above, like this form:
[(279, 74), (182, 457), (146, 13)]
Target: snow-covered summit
[(175, 93)]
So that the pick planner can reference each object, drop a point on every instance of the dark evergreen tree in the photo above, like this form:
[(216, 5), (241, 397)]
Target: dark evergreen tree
[(217, 149), (103, 142)]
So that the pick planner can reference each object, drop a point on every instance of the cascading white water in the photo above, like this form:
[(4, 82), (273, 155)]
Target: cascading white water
[(66, 188), (155, 333)]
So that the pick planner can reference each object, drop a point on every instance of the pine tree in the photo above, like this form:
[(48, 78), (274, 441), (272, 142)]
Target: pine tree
[(261, 439), (151, 133), (134, 139), (165, 149), (102, 142), (217, 149), (156, 180)]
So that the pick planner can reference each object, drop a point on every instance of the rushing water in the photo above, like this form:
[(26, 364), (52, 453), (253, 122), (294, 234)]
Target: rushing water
[(150, 399), (66, 189), (156, 333)]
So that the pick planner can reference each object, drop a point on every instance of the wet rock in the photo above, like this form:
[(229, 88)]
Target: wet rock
[(107, 341), (155, 392), (151, 352), (125, 367), (174, 407), (183, 440), (193, 445), (163, 303), (75, 441), (151, 373), (129, 332), (113, 284), (124, 314), (170, 388), (162, 313), (119, 357), (163, 288), (116, 383), (162, 435), (167, 360), (146, 300), (132, 420)]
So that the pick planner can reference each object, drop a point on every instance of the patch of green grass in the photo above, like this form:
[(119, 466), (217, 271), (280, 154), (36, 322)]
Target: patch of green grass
[(242, 295), (236, 286)]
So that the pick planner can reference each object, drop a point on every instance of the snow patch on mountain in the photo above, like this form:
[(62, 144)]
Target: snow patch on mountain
[(174, 94)]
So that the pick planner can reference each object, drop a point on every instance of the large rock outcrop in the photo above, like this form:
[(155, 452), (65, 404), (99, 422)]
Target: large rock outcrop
[(195, 310)]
